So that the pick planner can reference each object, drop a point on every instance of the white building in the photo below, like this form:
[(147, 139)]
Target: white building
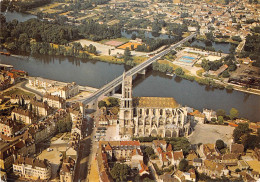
[(32, 168)]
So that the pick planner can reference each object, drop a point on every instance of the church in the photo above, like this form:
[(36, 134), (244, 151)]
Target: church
[(151, 116)]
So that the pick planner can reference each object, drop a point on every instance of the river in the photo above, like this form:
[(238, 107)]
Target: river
[(96, 74)]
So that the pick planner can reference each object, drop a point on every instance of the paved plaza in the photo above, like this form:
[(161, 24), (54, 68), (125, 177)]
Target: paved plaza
[(206, 133)]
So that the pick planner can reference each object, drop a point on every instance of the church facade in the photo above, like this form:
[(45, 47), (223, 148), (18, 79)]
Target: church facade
[(151, 116)]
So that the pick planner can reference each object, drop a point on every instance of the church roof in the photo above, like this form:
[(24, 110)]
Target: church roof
[(155, 102)]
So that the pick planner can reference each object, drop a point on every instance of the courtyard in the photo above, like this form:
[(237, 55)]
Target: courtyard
[(206, 133), (54, 157)]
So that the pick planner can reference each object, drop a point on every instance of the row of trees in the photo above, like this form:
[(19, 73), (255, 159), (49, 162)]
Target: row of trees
[(41, 31), (112, 102), (162, 67), (252, 48), (22, 6), (242, 134), (96, 32)]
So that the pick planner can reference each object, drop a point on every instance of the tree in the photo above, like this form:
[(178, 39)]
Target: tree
[(132, 47), (213, 120), (149, 151), (180, 143), (220, 119), (30, 107), (233, 113), (221, 112), (183, 165), (127, 54), (220, 144), (102, 104), (113, 102), (133, 37), (229, 87), (209, 36), (226, 2), (119, 172), (225, 74), (179, 72), (242, 129)]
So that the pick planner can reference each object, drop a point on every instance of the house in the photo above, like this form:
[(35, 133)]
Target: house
[(213, 169), (160, 143), (242, 165), (197, 162), (6, 156), (236, 148), (32, 168), (25, 116), (198, 117), (23, 99), (209, 114), (54, 101), (120, 150), (165, 156), (254, 126), (67, 170), (229, 159), (8, 127), (185, 176), (42, 130), (206, 150), (177, 157), (257, 153), (39, 108), (2, 98), (143, 169), (68, 91), (41, 82), (190, 157), (137, 156)]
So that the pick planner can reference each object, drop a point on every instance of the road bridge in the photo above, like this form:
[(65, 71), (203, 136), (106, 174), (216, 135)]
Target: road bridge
[(118, 81)]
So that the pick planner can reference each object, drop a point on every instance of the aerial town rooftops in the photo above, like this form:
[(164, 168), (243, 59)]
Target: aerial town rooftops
[(159, 143), (23, 112), (54, 97), (39, 104), (8, 122), (178, 155), (33, 162)]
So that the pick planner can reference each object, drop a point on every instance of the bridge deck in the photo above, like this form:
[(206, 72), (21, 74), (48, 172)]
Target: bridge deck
[(116, 82)]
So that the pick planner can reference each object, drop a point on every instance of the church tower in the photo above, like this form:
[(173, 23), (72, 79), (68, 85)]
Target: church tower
[(126, 112)]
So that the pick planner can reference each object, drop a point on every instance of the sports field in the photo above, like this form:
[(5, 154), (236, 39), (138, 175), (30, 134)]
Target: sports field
[(129, 44)]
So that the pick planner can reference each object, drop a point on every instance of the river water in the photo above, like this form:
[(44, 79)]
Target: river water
[(96, 74)]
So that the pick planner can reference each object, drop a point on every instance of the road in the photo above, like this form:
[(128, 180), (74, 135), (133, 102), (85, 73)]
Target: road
[(116, 82), (39, 94), (85, 150)]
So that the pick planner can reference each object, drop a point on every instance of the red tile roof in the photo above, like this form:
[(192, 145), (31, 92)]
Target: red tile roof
[(130, 143), (178, 155), (169, 148)]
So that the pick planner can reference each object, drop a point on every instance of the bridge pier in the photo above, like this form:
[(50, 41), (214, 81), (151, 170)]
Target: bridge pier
[(111, 92)]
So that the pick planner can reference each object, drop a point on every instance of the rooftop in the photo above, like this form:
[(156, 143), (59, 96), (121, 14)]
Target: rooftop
[(155, 102)]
